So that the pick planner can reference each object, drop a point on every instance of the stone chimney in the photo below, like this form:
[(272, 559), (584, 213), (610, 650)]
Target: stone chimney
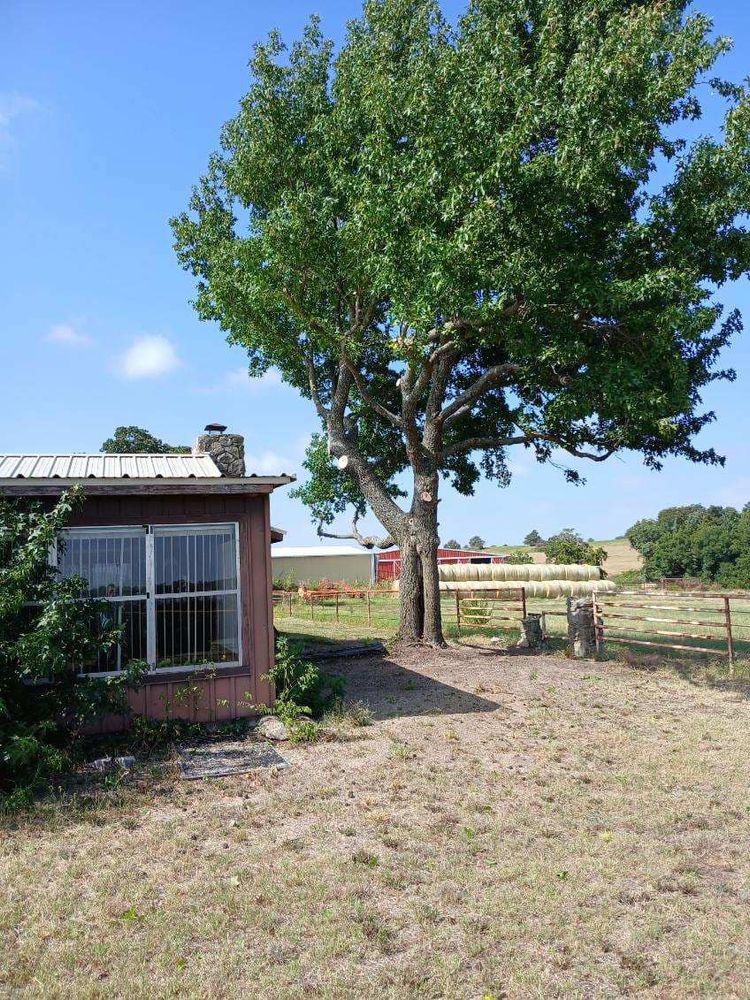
[(227, 450)]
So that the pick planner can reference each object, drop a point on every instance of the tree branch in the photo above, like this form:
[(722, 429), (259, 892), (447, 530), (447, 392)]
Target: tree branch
[(487, 443), (367, 398), (463, 403), (366, 541), (484, 443), (314, 391)]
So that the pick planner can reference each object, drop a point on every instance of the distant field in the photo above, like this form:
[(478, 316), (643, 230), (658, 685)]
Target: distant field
[(621, 555)]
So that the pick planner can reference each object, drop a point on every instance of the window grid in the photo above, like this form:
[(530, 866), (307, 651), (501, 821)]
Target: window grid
[(197, 610), (179, 581)]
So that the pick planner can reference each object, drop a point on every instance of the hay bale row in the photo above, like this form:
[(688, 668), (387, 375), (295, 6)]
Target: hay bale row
[(533, 588), (464, 572)]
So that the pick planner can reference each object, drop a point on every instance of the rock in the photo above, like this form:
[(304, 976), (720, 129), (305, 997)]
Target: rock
[(582, 628), (272, 728), (532, 636), (102, 764), (110, 763), (227, 451)]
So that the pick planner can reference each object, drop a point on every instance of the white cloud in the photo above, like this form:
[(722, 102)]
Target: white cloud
[(269, 463), (239, 380), (148, 357), (268, 380), (67, 335), (12, 106)]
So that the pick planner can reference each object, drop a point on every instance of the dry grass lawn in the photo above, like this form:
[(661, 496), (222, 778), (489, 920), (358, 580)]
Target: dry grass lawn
[(508, 826)]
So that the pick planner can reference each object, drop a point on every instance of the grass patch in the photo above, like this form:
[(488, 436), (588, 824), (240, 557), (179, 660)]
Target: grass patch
[(570, 831)]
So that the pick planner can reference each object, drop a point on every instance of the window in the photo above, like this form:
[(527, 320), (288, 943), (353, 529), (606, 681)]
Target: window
[(113, 564), (195, 576), (174, 589)]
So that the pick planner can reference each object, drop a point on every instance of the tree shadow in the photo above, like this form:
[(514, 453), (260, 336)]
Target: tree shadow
[(391, 690)]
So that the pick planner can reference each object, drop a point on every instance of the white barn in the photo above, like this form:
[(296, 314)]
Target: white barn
[(337, 563)]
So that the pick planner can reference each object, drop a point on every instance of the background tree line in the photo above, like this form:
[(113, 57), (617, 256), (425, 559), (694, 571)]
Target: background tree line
[(709, 543)]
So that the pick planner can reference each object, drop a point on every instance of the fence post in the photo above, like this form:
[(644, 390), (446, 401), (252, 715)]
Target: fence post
[(597, 636), (730, 637), (523, 601), (312, 606), (337, 605), (290, 604), (458, 611), (369, 610)]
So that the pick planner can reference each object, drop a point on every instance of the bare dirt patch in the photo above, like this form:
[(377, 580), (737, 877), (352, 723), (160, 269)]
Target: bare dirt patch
[(508, 826)]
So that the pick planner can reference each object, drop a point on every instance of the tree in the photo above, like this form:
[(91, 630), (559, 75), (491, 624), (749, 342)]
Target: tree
[(476, 542), (137, 440), (452, 544), (48, 634), (452, 239), (568, 547), (534, 539), (518, 558), (711, 543)]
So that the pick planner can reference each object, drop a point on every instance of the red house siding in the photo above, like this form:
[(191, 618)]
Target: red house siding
[(229, 692), (389, 563)]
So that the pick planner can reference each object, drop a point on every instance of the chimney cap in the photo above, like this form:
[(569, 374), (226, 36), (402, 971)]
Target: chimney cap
[(215, 428)]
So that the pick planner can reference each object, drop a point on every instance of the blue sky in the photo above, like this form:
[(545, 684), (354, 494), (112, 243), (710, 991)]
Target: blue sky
[(108, 113)]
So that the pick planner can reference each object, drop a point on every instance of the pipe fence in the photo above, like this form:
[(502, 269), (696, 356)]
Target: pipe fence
[(700, 621)]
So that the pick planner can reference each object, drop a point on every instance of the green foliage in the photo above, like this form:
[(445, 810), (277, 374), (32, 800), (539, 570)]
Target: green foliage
[(301, 688), (567, 547), (476, 542), (709, 543), (519, 558), (136, 440), (328, 491), (534, 539), (629, 578), (451, 544), (287, 582), (458, 238), (48, 634), (301, 730)]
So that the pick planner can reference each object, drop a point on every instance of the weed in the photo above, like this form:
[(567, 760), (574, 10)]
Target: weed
[(401, 751)]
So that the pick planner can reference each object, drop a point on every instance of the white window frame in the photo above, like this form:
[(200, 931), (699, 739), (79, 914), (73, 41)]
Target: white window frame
[(150, 532), (177, 529)]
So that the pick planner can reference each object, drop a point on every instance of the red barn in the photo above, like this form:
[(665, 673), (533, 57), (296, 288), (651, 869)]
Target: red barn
[(389, 562)]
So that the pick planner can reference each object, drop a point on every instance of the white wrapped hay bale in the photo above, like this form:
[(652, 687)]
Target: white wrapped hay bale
[(520, 575), (533, 588)]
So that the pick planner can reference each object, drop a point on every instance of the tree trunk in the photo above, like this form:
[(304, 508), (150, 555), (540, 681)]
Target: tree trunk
[(415, 532), (432, 632), (411, 592), (419, 586)]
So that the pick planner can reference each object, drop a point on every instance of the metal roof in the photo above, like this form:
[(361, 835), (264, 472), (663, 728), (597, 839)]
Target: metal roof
[(287, 551), (102, 466)]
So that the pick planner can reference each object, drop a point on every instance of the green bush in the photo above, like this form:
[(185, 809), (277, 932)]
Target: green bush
[(568, 548), (630, 578), (286, 581), (301, 688), (518, 559), (48, 634)]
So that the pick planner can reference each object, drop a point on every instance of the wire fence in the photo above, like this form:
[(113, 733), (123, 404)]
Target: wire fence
[(466, 612), (686, 622)]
